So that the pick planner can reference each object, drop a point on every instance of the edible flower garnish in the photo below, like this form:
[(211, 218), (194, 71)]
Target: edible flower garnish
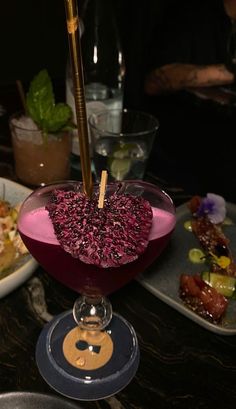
[(222, 261), (212, 206)]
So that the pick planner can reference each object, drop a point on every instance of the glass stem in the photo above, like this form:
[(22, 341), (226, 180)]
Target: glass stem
[(92, 312)]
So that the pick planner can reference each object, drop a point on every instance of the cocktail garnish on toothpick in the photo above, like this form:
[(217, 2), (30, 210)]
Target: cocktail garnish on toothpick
[(79, 94), (115, 236), (102, 189)]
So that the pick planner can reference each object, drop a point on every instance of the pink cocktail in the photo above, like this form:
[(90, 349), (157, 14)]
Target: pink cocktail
[(38, 235), (37, 232), (114, 362)]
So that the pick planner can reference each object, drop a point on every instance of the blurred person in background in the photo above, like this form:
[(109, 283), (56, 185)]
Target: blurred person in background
[(191, 49), (194, 49)]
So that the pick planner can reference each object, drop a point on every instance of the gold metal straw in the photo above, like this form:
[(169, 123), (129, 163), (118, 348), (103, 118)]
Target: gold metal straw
[(78, 83)]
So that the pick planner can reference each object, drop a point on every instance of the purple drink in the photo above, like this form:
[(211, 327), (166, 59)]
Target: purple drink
[(37, 232), (121, 240)]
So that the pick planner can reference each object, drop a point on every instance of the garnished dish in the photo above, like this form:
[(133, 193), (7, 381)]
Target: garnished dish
[(196, 275), (208, 291), (16, 263), (11, 245)]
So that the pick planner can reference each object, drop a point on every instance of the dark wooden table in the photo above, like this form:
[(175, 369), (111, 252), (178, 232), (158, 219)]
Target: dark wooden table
[(182, 366)]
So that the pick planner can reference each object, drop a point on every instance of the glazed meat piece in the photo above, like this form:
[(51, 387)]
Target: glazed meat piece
[(210, 236), (215, 244), (201, 298)]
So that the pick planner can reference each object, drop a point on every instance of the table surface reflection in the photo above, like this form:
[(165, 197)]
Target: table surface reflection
[(182, 364)]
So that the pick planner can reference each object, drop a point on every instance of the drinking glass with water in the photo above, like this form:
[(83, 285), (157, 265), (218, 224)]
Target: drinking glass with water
[(122, 140)]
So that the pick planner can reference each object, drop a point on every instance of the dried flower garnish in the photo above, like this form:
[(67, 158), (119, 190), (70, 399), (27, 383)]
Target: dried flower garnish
[(212, 206)]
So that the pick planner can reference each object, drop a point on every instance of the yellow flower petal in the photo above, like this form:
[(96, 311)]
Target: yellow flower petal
[(222, 261)]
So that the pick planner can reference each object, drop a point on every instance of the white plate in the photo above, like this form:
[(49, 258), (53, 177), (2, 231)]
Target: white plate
[(162, 279), (16, 193)]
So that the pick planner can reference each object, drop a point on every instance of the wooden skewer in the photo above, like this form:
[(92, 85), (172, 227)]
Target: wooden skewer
[(102, 189)]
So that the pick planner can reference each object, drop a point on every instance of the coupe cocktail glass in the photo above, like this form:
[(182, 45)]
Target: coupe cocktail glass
[(90, 353)]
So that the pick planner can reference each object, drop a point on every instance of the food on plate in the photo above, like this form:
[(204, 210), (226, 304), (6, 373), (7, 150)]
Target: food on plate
[(207, 293), (225, 285), (11, 245), (196, 256), (202, 298), (207, 227)]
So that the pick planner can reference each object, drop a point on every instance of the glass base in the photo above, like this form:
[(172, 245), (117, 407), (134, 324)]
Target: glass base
[(87, 365)]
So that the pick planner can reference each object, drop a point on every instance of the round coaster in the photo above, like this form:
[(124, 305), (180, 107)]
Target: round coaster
[(85, 367), (87, 349)]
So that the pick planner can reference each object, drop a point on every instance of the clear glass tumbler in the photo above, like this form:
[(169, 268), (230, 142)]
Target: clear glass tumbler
[(39, 159), (122, 141)]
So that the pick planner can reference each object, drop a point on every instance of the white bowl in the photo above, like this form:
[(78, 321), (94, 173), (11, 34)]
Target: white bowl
[(15, 193)]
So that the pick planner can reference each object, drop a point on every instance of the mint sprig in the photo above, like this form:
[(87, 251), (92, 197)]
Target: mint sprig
[(41, 106)]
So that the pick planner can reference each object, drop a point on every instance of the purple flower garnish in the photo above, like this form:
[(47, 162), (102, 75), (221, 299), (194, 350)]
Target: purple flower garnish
[(212, 206)]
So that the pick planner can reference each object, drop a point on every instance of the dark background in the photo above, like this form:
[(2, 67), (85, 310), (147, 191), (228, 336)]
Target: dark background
[(193, 148), (33, 36)]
